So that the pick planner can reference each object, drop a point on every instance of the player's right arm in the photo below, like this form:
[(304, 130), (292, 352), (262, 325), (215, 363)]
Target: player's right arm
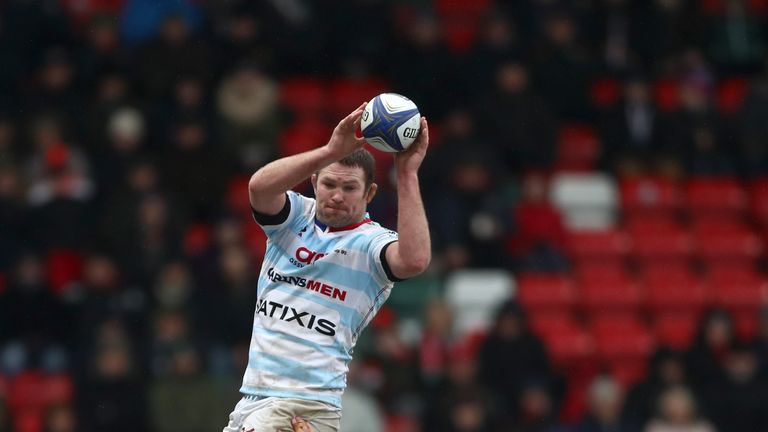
[(268, 185)]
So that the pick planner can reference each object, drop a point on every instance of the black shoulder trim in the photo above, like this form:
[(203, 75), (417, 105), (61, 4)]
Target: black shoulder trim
[(276, 219), (385, 264)]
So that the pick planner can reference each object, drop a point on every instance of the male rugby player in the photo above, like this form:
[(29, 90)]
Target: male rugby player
[(328, 269)]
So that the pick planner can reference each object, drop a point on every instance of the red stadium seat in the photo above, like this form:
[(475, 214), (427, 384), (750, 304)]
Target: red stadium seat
[(608, 292), (715, 195), (28, 420), (660, 241), (596, 244), (63, 267), (723, 240), (675, 330), (197, 239), (303, 137), (578, 147), (745, 325), (237, 197), (667, 95), (348, 94), (546, 322), (628, 372), (669, 290), (545, 292), (255, 241), (35, 390), (569, 346), (605, 93), (740, 291), (758, 201), (460, 21), (622, 338), (731, 94), (305, 97), (650, 195)]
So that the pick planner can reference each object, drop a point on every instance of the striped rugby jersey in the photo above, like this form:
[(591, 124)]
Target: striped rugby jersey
[(318, 289)]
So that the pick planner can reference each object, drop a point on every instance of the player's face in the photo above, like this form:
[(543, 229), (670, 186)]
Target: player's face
[(341, 195)]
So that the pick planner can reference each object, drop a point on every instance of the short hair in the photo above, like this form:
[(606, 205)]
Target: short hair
[(361, 158)]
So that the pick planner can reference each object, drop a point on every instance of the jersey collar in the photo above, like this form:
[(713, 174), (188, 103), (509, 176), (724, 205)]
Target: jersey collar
[(326, 228)]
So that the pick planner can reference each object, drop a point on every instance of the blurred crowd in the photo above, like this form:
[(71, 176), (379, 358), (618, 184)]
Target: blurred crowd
[(128, 265)]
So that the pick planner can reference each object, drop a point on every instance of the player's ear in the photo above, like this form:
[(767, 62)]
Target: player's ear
[(314, 182), (371, 192)]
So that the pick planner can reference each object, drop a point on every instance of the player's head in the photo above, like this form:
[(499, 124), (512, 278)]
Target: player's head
[(343, 189)]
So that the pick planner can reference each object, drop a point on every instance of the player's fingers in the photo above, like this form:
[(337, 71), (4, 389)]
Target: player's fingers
[(424, 134), (353, 119)]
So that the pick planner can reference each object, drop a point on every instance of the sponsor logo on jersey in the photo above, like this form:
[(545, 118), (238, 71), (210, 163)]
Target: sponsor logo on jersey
[(309, 284), (275, 310)]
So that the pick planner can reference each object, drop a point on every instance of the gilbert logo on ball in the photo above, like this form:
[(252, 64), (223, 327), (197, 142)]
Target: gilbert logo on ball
[(390, 122)]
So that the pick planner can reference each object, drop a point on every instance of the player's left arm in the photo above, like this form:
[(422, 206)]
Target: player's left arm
[(412, 252)]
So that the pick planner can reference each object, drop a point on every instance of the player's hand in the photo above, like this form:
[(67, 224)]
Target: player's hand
[(301, 425), (343, 140), (411, 159)]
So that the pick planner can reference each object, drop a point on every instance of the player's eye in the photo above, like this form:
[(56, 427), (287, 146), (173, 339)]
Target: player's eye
[(350, 188)]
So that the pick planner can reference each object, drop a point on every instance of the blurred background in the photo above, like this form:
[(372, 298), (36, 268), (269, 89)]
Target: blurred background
[(597, 188)]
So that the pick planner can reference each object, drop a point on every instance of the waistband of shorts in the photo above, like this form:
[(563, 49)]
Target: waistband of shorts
[(254, 397)]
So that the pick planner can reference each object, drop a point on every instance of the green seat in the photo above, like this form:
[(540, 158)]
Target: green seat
[(410, 297)]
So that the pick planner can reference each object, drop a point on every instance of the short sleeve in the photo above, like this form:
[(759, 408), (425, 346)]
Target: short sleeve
[(378, 250), (297, 209)]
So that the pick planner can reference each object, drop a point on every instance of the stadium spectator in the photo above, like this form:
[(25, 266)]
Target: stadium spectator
[(101, 51), (124, 144), (715, 337), (113, 395), (423, 46), (247, 104), (561, 66), (101, 297), (436, 341), (512, 356), (459, 401), (12, 210), (60, 418), (606, 401), (8, 141), (739, 402), (174, 52), (362, 412), (536, 411), (737, 42), (677, 413), (632, 131), (189, 154), (538, 233), (468, 217), (761, 342), (529, 141), (752, 126), (184, 389), (667, 369), (31, 316), (498, 43)]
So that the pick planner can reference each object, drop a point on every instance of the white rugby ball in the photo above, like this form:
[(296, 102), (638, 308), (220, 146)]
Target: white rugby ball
[(390, 122)]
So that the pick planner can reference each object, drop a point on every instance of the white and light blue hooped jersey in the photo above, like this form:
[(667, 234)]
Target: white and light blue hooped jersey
[(318, 289)]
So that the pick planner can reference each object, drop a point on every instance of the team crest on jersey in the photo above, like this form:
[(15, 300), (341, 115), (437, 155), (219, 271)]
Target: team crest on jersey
[(303, 230)]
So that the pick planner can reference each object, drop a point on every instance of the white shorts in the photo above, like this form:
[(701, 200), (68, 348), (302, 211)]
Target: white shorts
[(273, 414)]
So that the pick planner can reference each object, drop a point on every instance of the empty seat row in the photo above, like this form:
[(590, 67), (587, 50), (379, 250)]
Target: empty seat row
[(648, 239), (655, 291)]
